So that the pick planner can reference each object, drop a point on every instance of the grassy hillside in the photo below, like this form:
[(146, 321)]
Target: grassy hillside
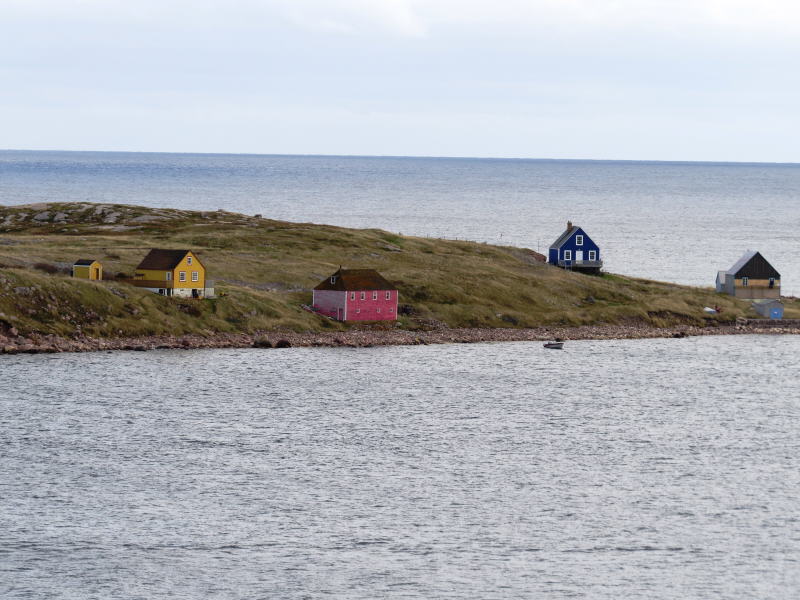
[(267, 268)]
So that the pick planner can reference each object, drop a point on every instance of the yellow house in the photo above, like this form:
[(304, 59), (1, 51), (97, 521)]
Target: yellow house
[(86, 268), (171, 273)]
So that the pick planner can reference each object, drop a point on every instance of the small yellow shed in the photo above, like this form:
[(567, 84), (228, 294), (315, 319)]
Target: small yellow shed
[(87, 268)]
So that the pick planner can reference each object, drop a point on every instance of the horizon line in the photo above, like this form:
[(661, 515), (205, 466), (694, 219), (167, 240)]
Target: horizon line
[(412, 156)]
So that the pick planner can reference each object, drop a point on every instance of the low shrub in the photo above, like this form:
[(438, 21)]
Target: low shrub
[(47, 268)]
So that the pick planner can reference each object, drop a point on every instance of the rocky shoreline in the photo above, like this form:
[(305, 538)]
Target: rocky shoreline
[(12, 343)]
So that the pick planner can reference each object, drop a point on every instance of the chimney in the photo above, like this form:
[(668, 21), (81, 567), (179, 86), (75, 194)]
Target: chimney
[(569, 225)]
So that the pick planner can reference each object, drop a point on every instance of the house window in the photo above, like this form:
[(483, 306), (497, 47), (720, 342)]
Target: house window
[(391, 309), (771, 282), (352, 295), (374, 295), (378, 310), (579, 240), (358, 311), (388, 295), (188, 260), (363, 295), (592, 254), (567, 254), (182, 276), (169, 276), (195, 276), (745, 281)]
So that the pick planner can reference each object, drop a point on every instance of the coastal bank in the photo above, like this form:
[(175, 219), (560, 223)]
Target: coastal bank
[(365, 338)]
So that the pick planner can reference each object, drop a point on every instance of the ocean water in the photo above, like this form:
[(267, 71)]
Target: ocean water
[(679, 222), (628, 469)]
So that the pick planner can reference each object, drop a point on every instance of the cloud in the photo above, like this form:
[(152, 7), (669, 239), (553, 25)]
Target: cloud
[(420, 18), (354, 16)]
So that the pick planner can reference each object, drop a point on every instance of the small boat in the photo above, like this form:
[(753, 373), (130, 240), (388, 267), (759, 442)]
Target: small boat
[(554, 345)]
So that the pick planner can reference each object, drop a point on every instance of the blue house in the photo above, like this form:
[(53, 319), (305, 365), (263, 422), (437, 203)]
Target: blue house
[(576, 251)]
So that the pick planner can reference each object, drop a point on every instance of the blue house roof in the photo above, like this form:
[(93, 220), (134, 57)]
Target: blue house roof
[(568, 233)]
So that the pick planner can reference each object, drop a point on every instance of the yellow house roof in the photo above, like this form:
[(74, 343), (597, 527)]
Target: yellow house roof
[(158, 259)]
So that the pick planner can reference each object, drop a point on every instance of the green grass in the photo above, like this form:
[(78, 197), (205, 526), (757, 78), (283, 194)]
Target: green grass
[(267, 269)]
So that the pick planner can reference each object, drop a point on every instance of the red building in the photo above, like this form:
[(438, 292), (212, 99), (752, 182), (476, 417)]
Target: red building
[(356, 295)]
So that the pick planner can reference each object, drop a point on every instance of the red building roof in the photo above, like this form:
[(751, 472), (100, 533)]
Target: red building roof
[(346, 280)]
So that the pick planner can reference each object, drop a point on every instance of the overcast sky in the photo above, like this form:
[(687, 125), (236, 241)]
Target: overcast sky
[(624, 79)]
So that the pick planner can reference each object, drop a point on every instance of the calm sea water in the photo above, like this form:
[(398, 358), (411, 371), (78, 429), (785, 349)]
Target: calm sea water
[(671, 221), (629, 469)]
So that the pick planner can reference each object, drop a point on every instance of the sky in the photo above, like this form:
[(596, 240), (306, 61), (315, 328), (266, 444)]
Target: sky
[(595, 79)]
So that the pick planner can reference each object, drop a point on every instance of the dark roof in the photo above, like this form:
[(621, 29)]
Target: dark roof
[(355, 279), (564, 236), (754, 266), (84, 262), (158, 259)]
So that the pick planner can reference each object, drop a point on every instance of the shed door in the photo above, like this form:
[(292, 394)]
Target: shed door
[(578, 255)]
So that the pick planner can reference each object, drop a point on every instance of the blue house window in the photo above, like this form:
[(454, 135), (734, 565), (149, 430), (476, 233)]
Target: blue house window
[(567, 254), (579, 240)]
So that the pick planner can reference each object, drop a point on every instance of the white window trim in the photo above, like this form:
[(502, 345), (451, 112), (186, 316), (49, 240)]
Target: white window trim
[(352, 295), (388, 295), (169, 276), (374, 295), (195, 276), (579, 240), (745, 281), (592, 254), (567, 254), (363, 295), (378, 310), (188, 260), (358, 311), (181, 275)]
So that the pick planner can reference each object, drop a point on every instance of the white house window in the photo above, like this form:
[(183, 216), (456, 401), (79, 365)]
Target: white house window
[(374, 295), (333, 279), (388, 295), (188, 260), (745, 281), (379, 310), (358, 310), (592, 254), (579, 240), (169, 276), (195, 276), (182, 275), (352, 295), (567, 254), (363, 295)]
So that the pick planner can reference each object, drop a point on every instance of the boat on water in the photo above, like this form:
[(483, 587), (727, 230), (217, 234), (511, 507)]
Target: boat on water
[(554, 345)]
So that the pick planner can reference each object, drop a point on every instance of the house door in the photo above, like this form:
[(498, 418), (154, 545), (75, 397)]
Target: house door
[(578, 255)]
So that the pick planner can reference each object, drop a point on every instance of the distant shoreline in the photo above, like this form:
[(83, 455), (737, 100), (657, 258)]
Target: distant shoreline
[(628, 161), (365, 338)]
